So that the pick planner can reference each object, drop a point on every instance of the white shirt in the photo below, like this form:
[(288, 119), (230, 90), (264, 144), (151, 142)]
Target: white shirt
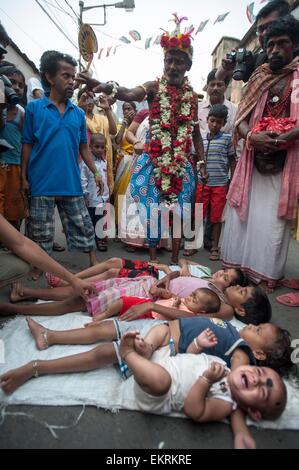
[(89, 187), (32, 85), (204, 109), (184, 370)]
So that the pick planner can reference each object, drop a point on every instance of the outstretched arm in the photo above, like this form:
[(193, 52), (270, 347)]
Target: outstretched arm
[(242, 436), (33, 254), (123, 94), (200, 408)]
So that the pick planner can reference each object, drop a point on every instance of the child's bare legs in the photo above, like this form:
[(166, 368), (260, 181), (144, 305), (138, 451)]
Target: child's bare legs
[(157, 337), (101, 356), (100, 268), (72, 304), (19, 292), (111, 311), (151, 377), (163, 267), (44, 338)]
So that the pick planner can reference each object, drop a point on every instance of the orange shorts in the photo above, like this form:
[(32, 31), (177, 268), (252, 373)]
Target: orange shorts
[(215, 197), (12, 203)]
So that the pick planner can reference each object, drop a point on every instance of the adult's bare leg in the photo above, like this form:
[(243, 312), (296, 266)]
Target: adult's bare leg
[(72, 304), (101, 356)]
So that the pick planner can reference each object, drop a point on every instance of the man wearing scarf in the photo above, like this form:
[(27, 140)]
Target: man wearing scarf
[(264, 192)]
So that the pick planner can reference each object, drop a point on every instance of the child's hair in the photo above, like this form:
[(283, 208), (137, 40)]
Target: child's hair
[(132, 103), (242, 279), (49, 63), (279, 354), (14, 71), (213, 302), (97, 136), (219, 111), (81, 91), (258, 309)]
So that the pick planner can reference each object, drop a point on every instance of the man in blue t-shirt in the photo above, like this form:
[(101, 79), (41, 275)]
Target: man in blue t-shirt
[(54, 133)]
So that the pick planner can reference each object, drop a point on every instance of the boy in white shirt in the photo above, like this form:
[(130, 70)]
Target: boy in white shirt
[(95, 202)]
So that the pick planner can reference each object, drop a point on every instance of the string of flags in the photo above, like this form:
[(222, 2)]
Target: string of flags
[(250, 11), (155, 40)]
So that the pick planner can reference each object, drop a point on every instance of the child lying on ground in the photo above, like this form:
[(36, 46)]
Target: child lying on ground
[(202, 301), (120, 267), (109, 353), (201, 386), (250, 304)]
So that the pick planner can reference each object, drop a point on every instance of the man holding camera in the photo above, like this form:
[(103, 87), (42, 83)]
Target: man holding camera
[(241, 64), (265, 189)]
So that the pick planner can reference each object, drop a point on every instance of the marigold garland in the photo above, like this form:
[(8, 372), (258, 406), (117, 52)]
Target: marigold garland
[(172, 123)]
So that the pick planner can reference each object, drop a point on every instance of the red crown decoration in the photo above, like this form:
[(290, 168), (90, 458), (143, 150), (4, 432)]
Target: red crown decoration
[(176, 39)]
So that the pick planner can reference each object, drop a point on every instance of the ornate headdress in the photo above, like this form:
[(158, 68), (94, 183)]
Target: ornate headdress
[(176, 39)]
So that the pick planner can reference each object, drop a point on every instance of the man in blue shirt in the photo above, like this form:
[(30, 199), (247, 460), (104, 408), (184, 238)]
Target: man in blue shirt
[(54, 133)]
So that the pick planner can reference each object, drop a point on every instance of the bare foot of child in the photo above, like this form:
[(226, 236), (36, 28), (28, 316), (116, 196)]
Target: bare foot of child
[(143, 348), (16, 292), (127, 343), (13, 379), (39, 333)]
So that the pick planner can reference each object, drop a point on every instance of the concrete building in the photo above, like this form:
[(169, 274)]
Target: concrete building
[(21, 60), (249, 42)]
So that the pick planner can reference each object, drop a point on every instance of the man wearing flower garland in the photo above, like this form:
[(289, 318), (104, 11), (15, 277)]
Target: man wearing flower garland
[(164, 172)]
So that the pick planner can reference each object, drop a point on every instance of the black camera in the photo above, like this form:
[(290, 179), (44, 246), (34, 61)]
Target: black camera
[(10, 95), (243, 61)]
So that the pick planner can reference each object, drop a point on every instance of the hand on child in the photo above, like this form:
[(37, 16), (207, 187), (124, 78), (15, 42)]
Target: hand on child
[(176, 302), (207, 339), (185, 272), (136, 311), (216, 372)]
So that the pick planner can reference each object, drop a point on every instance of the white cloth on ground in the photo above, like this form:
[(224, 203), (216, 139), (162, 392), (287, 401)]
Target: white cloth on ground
[(101, 388)]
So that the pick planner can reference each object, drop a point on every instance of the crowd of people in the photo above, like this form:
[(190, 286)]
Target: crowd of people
[(173, 329)]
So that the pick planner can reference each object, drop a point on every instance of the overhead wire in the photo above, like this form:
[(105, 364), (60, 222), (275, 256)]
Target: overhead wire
[(24, 32), (70, 6), (57, 26), (58, 19)]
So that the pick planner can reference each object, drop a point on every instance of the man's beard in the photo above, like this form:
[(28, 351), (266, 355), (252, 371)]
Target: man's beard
[(278, 64)]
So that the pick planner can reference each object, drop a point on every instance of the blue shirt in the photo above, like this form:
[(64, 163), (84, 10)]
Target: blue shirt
[(53, 168), (219, 153), (228, 337)]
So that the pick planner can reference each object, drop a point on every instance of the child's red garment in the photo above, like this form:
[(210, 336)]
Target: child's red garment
[(129, 302), (136, 268)]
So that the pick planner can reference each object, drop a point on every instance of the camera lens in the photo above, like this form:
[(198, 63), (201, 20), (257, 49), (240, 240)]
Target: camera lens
[(11, 96)]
